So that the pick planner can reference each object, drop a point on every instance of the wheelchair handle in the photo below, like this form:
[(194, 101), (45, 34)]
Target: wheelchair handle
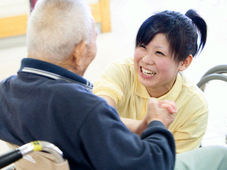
[(18, 153), (10, 157)]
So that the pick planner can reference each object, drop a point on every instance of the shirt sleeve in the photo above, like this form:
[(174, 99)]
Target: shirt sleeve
[(111, 83), (109, 144), (190, 134)]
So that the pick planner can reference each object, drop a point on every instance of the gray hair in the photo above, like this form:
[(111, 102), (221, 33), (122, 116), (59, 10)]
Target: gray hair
[(56, 26)]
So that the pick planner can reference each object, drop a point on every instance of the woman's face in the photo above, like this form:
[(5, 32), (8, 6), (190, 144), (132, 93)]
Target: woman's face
[(155, 66)]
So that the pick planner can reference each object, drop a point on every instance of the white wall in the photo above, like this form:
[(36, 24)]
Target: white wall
[(10, 8), (18, 7)]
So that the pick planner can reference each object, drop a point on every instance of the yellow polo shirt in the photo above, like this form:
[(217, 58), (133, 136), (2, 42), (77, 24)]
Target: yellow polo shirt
[(120, 82)]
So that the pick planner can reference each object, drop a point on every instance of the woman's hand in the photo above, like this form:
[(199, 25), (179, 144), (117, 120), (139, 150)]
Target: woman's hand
[(163, 111)]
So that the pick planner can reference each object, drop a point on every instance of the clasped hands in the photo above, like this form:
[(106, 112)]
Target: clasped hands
[(163, 111)]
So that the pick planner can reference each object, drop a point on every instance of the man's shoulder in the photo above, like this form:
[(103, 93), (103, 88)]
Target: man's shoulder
[(72, 90)]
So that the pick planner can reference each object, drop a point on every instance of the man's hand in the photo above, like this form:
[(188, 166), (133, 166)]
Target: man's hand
[(161, 110)]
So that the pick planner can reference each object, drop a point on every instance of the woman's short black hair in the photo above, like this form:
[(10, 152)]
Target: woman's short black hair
[(181, 32)]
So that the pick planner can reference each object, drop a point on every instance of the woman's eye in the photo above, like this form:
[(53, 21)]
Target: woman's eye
[(143, 46), (159, 52)]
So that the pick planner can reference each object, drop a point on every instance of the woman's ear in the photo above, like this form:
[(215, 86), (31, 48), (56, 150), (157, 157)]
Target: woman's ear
[(78, 51), (184, 64)]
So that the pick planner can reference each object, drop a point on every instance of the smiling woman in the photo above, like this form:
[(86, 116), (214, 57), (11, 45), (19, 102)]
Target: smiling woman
[(166, 43), (155, 66)]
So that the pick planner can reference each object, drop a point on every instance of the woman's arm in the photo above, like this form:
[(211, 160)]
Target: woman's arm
[(136, 126)]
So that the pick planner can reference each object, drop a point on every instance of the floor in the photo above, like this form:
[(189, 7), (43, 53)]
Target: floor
[(126, 17)]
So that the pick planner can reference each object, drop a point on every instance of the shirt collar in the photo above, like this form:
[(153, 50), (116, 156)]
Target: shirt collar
[(52, 71), (171, 95), (175, 91)]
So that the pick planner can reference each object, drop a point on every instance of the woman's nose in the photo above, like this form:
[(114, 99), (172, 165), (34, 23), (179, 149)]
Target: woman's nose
[(148, 59)]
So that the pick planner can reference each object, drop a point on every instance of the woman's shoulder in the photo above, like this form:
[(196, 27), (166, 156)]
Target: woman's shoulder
[(123, 67), (188, 84), (192, 90)]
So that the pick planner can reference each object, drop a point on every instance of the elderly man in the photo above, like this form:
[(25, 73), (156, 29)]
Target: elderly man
[(49, 99)]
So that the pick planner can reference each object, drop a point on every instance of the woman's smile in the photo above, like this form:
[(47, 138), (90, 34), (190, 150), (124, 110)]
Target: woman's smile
[(147, 73)]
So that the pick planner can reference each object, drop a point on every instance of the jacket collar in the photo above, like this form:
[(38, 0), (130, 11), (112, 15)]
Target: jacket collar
[(52, 71)]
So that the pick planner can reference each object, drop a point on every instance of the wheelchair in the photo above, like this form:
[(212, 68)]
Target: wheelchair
[(216, 128), (28, 149), (215, 73)]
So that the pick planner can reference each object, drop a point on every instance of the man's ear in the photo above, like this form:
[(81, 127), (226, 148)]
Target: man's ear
[(78, 51), (184, 64)]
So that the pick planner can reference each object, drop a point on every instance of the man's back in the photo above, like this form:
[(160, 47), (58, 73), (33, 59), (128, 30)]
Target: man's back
[(37, 107), (54, 105)]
